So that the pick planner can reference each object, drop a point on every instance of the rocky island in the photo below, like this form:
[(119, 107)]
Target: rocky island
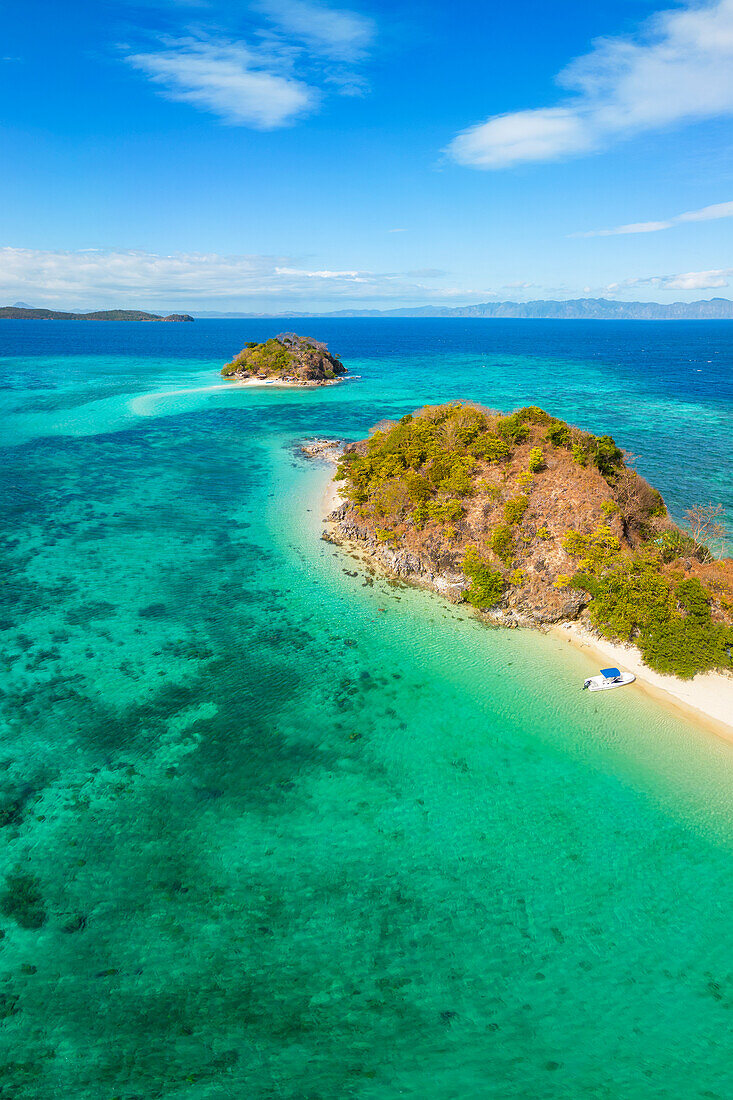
[(286, 360), (535, 522)]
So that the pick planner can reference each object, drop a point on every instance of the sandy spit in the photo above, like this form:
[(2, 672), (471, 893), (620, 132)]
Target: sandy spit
[(706, 699)]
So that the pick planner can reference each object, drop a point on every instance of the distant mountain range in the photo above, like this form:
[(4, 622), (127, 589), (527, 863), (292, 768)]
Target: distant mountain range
[(26, 313), (578, 309)]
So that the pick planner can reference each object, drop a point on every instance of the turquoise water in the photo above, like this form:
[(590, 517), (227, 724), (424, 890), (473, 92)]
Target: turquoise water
[(274, 830)]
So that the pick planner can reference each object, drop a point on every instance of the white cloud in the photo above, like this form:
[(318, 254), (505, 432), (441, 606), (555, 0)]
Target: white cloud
[(689, 280), (254, 84), (524, 135), (708, 213), (621, 230), (698, 280), (91, 278), (336, 33), (677, 69), (229, 80)]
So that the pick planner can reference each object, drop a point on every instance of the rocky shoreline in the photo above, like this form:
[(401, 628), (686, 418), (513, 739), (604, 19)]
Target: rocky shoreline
[(344, 529)]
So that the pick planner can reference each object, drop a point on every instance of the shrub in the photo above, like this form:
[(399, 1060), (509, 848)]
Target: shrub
[(490, 448), (533, 414), (445, 511), (513, 429), (687, 640), (606, 455), (579, 455), (515, 508), (669, 621), (392, 499), (600, 549), (487, 584), (439, 469), (502, 542), (459, 481), (418, 487), (558, 434), (536, 460), (675, 543), (484, 486)]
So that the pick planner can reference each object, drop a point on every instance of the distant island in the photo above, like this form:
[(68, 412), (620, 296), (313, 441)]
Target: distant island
[(577, 309), (536, 522), (25, 313), (287, 360)]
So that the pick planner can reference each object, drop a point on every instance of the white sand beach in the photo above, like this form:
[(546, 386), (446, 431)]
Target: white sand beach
[(278, 384), (707, 698)]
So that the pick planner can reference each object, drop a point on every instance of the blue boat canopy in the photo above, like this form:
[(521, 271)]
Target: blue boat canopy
[(610, 672)]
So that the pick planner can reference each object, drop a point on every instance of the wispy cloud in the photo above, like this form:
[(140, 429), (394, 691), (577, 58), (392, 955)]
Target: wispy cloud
[(334, 32), (706, 214), (621, 230), (89, 278), (228, 80), (688, 280), (272, 80), (677, 69)]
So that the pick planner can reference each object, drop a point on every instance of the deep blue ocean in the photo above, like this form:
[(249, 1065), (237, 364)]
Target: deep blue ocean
[(273, 828)]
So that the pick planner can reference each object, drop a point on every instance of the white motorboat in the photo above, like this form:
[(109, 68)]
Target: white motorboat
[(608, 678)]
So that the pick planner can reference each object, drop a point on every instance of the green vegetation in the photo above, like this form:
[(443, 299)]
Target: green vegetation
[(288, 357), (536, 460), (487, 584), (268, 358), (515, 508), (635, 599), (434, 454), (502, 543)]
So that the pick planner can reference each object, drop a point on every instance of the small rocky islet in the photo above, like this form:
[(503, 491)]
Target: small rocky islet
[(288, 359), (535, 522)]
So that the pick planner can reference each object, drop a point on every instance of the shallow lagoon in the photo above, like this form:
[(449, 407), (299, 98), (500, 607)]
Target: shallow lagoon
[(298, 833)]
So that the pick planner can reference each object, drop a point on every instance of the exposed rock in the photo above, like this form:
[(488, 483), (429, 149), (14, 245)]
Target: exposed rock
[(330, 449)]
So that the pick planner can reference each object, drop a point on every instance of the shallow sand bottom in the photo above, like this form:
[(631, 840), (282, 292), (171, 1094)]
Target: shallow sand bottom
[(708, 698)]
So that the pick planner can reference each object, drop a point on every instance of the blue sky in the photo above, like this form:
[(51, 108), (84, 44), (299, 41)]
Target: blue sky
[(288, 153)]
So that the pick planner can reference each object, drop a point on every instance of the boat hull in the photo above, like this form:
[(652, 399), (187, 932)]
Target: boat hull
[(601, 683)]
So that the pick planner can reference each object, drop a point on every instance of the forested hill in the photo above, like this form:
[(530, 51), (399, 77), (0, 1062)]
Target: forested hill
[(21, 313), (536, 521)]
